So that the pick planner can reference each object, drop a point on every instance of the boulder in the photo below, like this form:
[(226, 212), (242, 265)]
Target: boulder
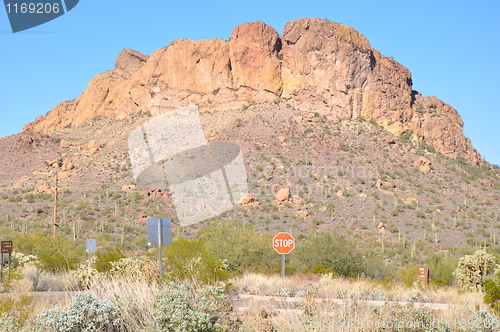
[(485, 182), (247, 199), (391, 185), (422, 161), (67, 165), (65, 144), (53, 163), (302, 213), (64, 175), (283, 194), (389, 139), (424, 169), (411, 200), (129, 187), (92, 145)]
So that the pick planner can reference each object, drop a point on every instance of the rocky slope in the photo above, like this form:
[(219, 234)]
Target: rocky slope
[(315, 66), (306, 174)]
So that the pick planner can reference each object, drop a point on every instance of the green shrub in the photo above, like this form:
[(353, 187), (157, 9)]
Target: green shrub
[(239, 246), (55, 254), (104, 258), (492, 293), (405, 137), (441, 268), (180, 308), (15, 199), (408, 274), (420, 214), (329, 252), (190, 260)]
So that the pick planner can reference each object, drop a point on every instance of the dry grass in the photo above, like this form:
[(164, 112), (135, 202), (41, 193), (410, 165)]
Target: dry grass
[(301, 285), (35, 280), (133, 301), (355, 314)]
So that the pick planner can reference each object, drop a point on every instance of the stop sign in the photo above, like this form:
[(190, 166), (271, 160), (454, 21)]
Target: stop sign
[(283, 243)]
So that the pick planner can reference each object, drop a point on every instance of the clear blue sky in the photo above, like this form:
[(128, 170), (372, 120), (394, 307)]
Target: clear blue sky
[(451, 47)]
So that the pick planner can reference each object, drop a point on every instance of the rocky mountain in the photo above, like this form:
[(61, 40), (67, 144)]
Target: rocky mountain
[(315, 66)]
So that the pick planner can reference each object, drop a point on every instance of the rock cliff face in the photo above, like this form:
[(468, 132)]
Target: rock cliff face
[(317, 65)]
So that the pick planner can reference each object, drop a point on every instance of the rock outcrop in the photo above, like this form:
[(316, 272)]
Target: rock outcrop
[(317, 65)]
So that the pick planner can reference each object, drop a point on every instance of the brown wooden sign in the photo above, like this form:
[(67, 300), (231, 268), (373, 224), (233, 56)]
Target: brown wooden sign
[(423, 274), (6, 247)]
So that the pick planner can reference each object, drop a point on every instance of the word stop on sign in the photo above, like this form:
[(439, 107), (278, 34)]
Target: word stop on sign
[(283, 243)]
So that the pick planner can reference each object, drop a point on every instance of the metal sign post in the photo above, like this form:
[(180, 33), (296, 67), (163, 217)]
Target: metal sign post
[(159, 235), (283, 266), (160, 243)]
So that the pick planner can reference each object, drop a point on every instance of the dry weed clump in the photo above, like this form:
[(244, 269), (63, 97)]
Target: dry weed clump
[(37, 280), (132, 299)]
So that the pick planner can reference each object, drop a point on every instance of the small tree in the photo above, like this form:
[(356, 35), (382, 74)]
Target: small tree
[(472, 269)]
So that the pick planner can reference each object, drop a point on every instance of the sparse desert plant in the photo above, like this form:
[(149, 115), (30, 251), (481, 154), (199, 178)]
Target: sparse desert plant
[(14, 311), (189, 260), (132, 300), (414, 318), (85, 275), (8, 323), (134, 268), (84, 314), (42, 281), (180, 308), (472, 269)]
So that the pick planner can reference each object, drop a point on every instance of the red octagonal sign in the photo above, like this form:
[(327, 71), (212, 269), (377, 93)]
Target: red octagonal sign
[(283, 243)]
